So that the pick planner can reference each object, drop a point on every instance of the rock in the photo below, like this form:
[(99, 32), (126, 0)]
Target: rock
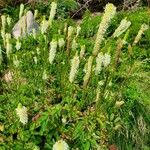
[(25, 26)]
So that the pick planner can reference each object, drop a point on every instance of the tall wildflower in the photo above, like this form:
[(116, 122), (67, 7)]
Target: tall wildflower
[(65, 28), (44, 25), (22, 114), (82, 52), (44, 76), (16, 61), (120, 44), (38, 50), (8, 44), (35, 60), (52, 52), (9, 20), (18, 44), (21, 10), (60, 145), (74, 67), (35, 14), (99, 61), (109, 13), (124, 25), (1, 57), (61, 42), (52, 12), (3, 19), (88, 70), (70, 32), (74, 44), (106, 59), (78, 31), (143, 28)]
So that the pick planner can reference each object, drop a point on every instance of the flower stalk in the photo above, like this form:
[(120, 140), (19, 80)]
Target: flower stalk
[(109, 13)]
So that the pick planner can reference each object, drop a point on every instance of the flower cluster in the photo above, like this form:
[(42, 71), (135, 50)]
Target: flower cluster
[(143, 28), (74, 67), (102, 60), (18, 44), (1, 58), (22, 114), (110, 12), (60, 145), (3, 19), (52, 12), (61, 42), (124, 25), (99, 61), (82, 52), (74, 44), (88, 69), (70, 31), (21, 10), (8, 44), (52, 52), (44, 25), (16, 61)]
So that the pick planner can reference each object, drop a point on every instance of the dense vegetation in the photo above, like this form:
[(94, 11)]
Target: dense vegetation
[(86, 85)]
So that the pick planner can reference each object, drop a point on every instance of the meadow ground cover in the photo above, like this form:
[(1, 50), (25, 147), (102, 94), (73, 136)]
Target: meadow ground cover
[(80, 87)]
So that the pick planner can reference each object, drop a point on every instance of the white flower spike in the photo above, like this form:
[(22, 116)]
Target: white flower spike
[(52, 52), (60, 145), (74, 67), (22, 114)]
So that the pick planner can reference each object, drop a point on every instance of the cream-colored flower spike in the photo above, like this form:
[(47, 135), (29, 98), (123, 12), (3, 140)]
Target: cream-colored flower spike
[(70, 31), (21, 10), (74, 67), (60, 145), (44, 25), (18, 44), (9, 20), (3, 19), (52, 52), (45, 76), (99, 61), (22, 114), (52, 12), (143, 28), (61, 42), (8, 45), (74, 44), (82, 52), (1, 57), (78, 31), (88, 70), (124, 25), (35, 14), (16, 61), (109, 13), (106, 59)]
